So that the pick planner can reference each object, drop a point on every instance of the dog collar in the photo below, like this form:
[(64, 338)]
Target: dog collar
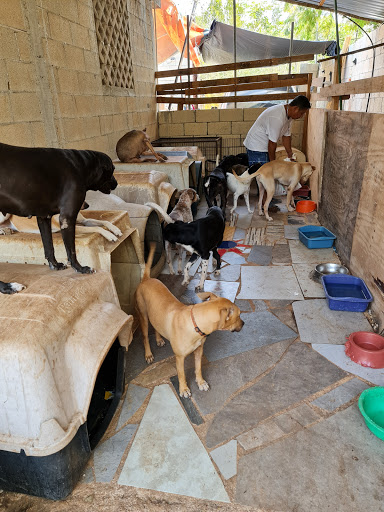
[(195, 325)]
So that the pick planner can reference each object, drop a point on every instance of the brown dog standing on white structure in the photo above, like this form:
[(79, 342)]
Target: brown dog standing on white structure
[(288, 174), (134, 144), (186, 327)]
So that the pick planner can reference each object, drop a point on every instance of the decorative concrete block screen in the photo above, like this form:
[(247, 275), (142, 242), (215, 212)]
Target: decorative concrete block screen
[(112, 30)]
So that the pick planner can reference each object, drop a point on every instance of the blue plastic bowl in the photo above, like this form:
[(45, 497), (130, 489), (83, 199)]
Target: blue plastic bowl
[(346, 293), (316, 237)]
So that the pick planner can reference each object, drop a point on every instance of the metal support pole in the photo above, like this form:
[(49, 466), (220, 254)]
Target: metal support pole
[(338, 52), (234, 47)]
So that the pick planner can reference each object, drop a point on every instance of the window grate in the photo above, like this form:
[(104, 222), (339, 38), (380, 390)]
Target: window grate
[(112, 31)]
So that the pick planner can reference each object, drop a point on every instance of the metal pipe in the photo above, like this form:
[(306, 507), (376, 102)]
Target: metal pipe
[(338, 51)]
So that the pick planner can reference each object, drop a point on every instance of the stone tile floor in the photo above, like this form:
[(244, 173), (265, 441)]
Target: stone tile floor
[(279, 429)]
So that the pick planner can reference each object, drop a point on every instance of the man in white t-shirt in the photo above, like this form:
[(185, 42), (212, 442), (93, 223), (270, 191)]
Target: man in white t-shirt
[(273, 123)]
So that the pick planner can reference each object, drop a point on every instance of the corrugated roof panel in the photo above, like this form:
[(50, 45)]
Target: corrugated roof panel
[(372, 10)]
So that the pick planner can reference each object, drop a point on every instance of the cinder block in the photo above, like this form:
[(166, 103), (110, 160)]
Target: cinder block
[(183, 116), (74, 57), (106, 124), (85, 15), (89, 83), (67, 105), (17, 134), (8, 48), (91, 126), (55, 53), (80, 36), (11, 14), (241, 128), (67, 80), (21, 76), (251, 114), (73, 130), (231, 114), (24, 46), (3, 77), (25, 106), (5, 109), (60, 28), (92, 63), (171, 130), (38, 134), (208, 116), (223, 128), (196, 129), (164, 117), (120, 122)]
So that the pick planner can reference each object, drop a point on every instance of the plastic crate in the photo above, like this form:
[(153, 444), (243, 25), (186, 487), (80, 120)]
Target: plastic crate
[(316, 237), (346, 293)]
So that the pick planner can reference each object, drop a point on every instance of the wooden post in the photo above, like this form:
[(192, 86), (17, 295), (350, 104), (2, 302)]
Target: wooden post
[(305, 127)]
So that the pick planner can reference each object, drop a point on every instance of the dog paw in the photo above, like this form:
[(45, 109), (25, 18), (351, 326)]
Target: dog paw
[(111, 237), (269, 218), (149, 358), (116, 231), (171, 271), (216, 272), (160, 342), (199, 289), (185, 393), (185, 282), (291, 209), (261, 214), (203, 385), (85, 270), (57, 266)]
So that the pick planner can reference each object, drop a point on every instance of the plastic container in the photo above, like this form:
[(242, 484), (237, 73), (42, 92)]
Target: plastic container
[(346, 293), (316, 237), (305, 206), (366, 348), (371, 405)]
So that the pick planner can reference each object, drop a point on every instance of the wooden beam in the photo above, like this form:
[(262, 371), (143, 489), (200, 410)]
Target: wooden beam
[(265, 63), (352, 52), (240, 87), (364, 86), (226, 99), (220, 81), (315, 96), (321, 3)]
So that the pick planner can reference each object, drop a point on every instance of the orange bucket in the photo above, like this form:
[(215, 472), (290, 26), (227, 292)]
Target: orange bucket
[(305, 206)]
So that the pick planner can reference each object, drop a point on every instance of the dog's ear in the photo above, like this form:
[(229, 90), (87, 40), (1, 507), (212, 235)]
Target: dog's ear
[(206, 296), (225, 315)]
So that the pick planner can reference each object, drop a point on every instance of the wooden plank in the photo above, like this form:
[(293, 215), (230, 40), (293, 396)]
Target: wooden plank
[(366, 85), (315, 96), (345, 160), (352, 52), (318, 82), (305, 127), (240, 87), (315, 149), (367, 259), (227, 81), (265, 63), (226, 99)]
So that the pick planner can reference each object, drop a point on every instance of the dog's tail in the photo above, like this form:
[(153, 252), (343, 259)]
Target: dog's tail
[(246, 179), (159, 210), (148, 265)]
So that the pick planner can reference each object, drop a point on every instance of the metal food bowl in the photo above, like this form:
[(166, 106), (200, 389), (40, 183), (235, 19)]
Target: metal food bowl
[(325, 269)]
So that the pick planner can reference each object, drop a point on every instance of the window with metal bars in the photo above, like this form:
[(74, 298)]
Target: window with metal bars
[(112, 31)]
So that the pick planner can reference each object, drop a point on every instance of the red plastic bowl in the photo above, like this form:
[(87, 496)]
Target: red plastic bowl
[(366, 348), (305, 206)]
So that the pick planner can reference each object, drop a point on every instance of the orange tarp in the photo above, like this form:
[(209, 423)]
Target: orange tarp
[(171, 31)]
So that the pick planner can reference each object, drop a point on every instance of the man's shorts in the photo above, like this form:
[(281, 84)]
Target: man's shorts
[(255, 157)]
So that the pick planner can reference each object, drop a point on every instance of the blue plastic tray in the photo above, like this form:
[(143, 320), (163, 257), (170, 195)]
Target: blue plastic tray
[(346, 293), (316, 237)]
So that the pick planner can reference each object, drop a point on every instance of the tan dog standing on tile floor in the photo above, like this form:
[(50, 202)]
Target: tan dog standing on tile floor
[(185, 326), (288, 174), (183, 212)]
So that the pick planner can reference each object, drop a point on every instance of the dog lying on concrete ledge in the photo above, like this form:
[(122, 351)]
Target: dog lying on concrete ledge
[(134, 144), (186, 327)]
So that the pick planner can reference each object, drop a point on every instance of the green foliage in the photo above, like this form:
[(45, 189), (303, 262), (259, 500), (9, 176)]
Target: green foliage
[(274, 17)]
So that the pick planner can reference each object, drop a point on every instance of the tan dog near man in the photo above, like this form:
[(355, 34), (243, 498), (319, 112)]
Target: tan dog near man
[(185, 326), (134, 144), (288, 174)]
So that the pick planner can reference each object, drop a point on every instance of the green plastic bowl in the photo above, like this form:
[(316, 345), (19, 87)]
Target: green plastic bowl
[(371, 405)]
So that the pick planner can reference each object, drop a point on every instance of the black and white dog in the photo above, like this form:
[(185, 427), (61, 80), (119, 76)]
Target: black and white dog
[(216, 184), (200, 237)]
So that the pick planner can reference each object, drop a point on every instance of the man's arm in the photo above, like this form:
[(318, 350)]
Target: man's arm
[(272, 150), (287, 145)]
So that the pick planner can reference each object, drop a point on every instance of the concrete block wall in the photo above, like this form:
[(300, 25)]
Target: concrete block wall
[(51, 91), (231, 124)]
